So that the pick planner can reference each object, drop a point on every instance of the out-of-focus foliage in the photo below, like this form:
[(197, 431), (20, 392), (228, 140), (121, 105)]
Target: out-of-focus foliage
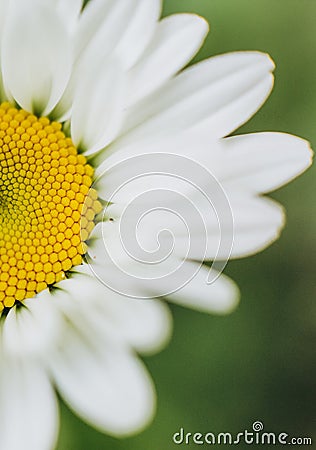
[(222, 374)]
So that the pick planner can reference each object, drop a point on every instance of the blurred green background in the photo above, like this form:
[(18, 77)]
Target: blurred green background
[(223, 373)]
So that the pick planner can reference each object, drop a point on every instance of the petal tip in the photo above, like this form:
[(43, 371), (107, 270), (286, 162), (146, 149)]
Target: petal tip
[(203, 23), (231, 303)]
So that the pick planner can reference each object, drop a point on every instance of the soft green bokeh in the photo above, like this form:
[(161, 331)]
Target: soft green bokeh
[(222, 374)]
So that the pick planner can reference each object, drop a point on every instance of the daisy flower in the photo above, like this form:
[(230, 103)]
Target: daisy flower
[(118, 181)]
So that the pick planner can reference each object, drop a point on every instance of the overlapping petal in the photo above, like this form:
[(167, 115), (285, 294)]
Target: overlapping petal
[(32, 330), (110, 390), (219, 94), (28, 407), (37, 72), (176, 40), (123, 28), (142, 325), (262, 162), (97, 110)]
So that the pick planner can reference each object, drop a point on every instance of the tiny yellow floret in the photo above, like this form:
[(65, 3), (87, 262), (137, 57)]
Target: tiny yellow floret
[(47, 205)]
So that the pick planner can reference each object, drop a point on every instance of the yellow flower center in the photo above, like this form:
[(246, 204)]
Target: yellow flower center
[(47, 206)]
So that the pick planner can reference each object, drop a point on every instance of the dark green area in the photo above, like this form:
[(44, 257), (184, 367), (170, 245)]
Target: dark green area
[(222, 374)]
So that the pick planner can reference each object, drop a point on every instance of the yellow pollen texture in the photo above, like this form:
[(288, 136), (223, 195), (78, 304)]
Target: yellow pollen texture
[(47, 205)]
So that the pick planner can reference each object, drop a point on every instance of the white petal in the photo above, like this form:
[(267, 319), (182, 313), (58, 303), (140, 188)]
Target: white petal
[(257, 226), (147, 255), (3, 11), (68, 10), (36, 69), (203, 294), (176, 40), (122, 28), (185, 282), (144, 325), (174, 164), (207, 218), (103, 20), (251, 226), (101, 27), (219, 94), (263, 162), (104, 384), (109, 29), (152, 275), (98, 107), (139, 32), (28, 407), (32, 329)]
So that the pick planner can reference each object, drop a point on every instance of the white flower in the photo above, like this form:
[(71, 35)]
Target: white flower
[(143, 154)]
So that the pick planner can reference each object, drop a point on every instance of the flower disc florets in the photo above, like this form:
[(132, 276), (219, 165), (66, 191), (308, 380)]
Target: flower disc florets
[(47, 206)]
